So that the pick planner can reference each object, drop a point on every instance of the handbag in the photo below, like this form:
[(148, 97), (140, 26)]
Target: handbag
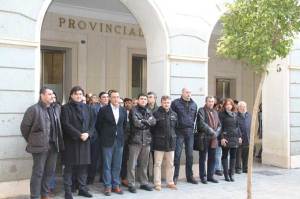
[(199, 140), (196, 145)]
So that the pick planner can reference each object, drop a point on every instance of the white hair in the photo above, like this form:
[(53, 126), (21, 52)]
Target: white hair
[(242, 103)]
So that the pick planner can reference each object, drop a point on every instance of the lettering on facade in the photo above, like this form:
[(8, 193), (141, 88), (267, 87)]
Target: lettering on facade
[(102, 27)]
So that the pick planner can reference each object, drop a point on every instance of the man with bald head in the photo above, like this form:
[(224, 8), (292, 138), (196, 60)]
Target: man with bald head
[(186, 110)]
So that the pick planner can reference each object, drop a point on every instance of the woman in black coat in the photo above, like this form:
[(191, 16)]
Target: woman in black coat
[(77, 126), (230, 137)]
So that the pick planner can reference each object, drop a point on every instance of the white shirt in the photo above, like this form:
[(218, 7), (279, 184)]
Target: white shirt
[(116, 112)]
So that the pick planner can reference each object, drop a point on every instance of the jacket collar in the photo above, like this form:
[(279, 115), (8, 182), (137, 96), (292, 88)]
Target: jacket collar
[(161, 109), (184, 101), (42, 104)]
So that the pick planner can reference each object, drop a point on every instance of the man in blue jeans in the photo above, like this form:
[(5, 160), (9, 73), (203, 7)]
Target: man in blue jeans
[(111, 125), (186, 110)]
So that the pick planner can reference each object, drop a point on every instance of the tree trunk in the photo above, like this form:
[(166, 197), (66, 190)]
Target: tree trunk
[(252, 136)]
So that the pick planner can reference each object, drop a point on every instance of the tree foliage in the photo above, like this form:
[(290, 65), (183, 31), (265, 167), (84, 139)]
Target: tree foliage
[(257, 32)]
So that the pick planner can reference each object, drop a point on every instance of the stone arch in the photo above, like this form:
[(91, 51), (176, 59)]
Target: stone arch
[(276, 142), (155, 33)]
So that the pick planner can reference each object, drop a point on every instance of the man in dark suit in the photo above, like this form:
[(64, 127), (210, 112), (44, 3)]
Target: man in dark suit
[(111, 125)]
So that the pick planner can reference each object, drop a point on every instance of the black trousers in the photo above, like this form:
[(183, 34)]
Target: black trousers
[(231, 151), (124, 161), (242, 158), (94, 167), (81, 174), (210, 153)]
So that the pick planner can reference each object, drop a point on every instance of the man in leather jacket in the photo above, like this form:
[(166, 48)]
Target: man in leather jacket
[(141, 120), (208, 127)]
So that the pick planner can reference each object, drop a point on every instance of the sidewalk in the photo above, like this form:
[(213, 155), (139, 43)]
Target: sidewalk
[(269, 183)]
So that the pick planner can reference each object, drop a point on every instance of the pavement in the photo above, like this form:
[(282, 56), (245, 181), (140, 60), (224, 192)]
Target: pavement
[(268, 183)]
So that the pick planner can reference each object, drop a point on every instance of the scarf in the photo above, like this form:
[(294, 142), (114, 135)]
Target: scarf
[(84, 116), (213, 119), (54, 128)]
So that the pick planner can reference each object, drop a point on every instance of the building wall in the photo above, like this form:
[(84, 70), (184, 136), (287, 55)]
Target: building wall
[(294, 104), (103, 58), (246, 80), (19, 55)]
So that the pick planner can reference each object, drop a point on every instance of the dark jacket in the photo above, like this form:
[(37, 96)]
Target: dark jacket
[(207, 135), (230, 129), (95, 110), (107, 128), (141, 120), (245, 126), (164, 136), (186, 113), (76, 121), (35, 128)]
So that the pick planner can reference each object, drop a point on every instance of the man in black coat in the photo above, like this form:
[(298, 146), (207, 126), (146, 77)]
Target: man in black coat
[(41, 129), (141, 121), (164, 141), (111, 125), (208, 128), (77, 124), (128, 107)]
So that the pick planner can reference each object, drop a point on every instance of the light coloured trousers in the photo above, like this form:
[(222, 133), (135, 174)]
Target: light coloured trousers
[(159, 156), (141, 153)]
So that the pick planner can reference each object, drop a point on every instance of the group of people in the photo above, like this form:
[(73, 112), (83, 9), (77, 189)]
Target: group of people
[(118, 138)]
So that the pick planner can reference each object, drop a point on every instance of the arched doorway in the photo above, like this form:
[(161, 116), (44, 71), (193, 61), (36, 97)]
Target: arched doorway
[(235, 81), (21, 61), (131, 45)]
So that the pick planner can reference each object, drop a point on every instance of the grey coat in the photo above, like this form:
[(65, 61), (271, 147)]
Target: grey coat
[(35, 128)]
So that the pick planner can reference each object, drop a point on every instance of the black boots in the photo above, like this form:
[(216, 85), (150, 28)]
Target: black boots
[(68, 195), (225, 169), (229, 175), (232, 170)]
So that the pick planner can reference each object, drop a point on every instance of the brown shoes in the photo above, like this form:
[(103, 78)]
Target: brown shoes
[(157, 188), (117, 190), (172, 186), (125, 182)]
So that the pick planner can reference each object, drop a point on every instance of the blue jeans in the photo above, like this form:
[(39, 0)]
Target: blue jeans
[(188, 139), (218, 165), (112, 161), (52, 183)]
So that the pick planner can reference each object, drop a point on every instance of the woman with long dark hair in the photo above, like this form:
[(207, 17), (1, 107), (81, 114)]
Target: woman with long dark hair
[(230, 137)]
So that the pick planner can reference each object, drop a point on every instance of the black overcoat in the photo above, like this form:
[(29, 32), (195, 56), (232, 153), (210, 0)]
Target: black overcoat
[(74, 123)]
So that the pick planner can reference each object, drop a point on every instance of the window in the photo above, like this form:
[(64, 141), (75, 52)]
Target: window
[(139, 75), (53, 62), (225, 88)]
